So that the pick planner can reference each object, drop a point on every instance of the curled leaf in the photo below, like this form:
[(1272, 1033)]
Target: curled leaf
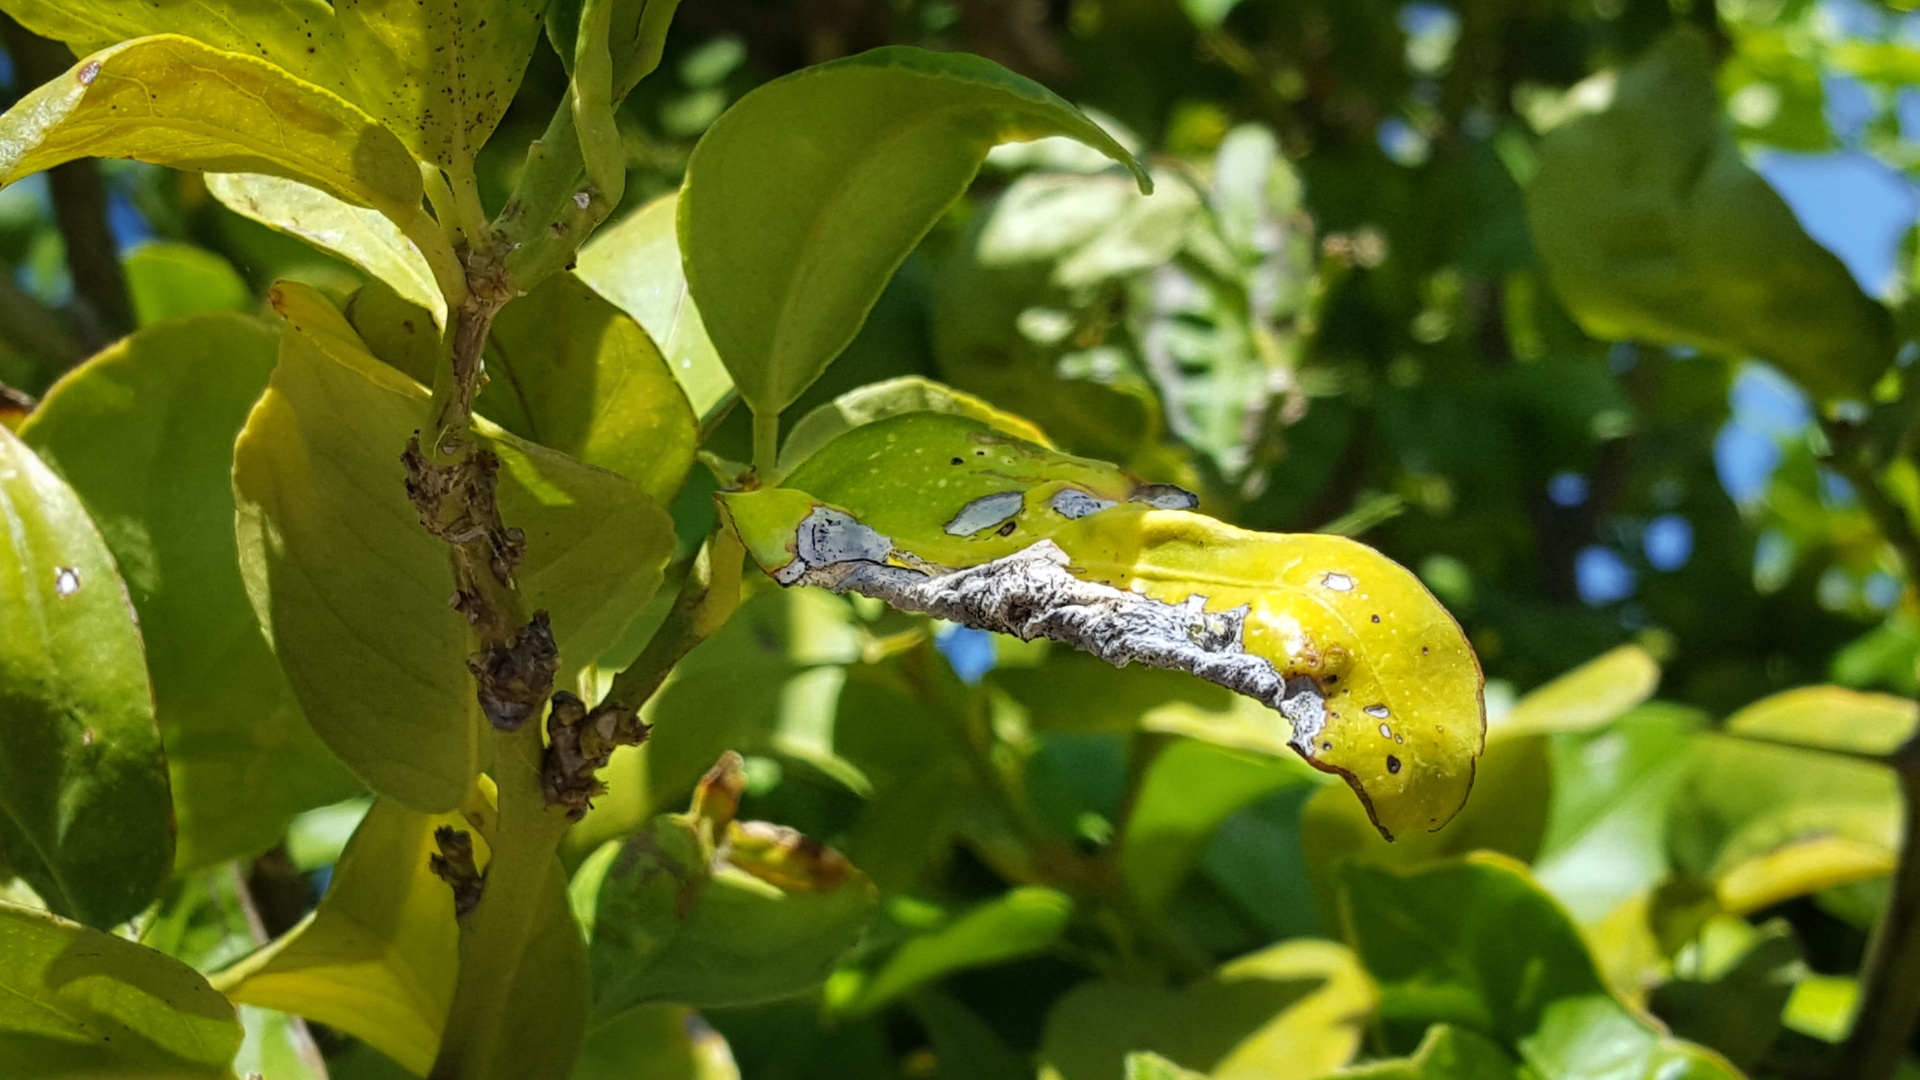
[(944, 515)]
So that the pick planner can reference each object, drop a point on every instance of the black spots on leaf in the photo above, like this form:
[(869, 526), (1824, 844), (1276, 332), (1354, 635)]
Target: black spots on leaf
[(1376, 618), (1326, 746), (1393, 764), (1007, 529), (959, 461)]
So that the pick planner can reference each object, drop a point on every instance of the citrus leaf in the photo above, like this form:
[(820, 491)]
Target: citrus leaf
[(82, 1003), (1830, 718), (1477, 944), (1447, 1053), (242, 758), (1584, 698), (895, 397), (359, 616), (1651, 227), (170, 100), (377, 959), (439, 72), (802, 199), (660, 1042), (1019, 923), (943, 514), (570, 371), (168, 280), (636, 264), (85, 816), (362, 237), (1292, 1011), (675, 919)]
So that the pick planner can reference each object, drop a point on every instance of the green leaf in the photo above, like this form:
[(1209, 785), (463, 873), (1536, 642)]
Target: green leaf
[(82, 1003), (1829, 718), (895, 397), (1293, 1011), (636, 264), (174, 397), (277, 1045), (397, 330), (359, 616), (637, 32), (1024, 921), (362, 237), (1151, 1066), (1767, 823), (169, 100), (1651, 227), (1476, 943), (1737, 1008), (572, 372), (1584, 698), (170, 280), (1446, 1053), (791, 223), (659, 1042), (1607, 827), (441, 73), (1191, 788), (1382, 682), (377, 959), (85, 816), (678, 918)]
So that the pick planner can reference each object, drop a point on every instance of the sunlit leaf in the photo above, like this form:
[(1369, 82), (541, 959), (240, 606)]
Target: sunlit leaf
[(169, 280), (362, 237), (636, 264), (636, 33), (84, 810), (895, 397), (1293, 1011), (572, 372), (791, 228), (82, 1003), (1830, 718), (378, 958), (1584, 698), (359, 616), (1652, 227), (1382, 686), (170, 100), (1020, 923)]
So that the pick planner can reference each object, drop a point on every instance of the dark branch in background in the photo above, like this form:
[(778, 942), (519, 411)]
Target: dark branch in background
[(1889, 1005), (103, 308)]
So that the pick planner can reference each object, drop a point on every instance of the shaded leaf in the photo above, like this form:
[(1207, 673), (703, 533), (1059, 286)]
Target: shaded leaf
[(660, 1042), (1188, 792), (1023, 921), (85, 815), (1446, 1053), (82, 1003), (635, 263), (1651, 227), (791, 227), (570, 371), (362, 237), (170, 280), (322, 447), (677, 918), (1293, 1011), (242, 758)]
